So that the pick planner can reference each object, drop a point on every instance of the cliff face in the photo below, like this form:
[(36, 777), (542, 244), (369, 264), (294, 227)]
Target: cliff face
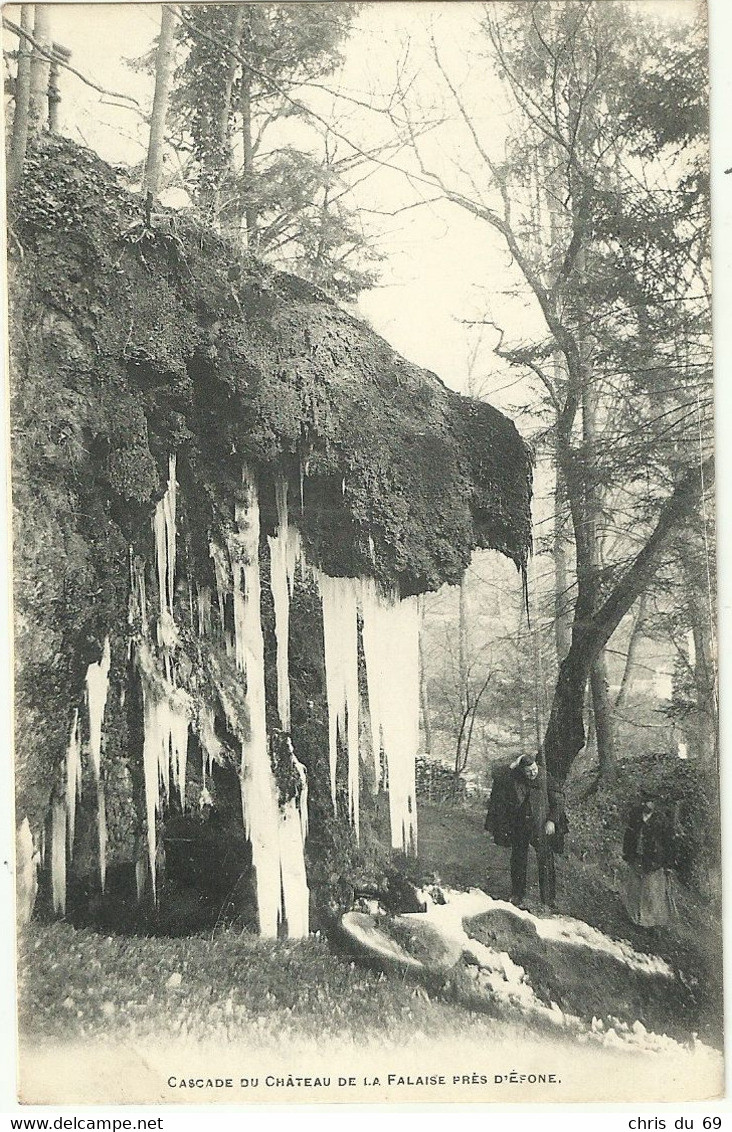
[(219, 477)]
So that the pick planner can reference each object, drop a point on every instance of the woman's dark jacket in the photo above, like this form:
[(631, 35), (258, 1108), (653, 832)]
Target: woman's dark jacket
[(648, 844)]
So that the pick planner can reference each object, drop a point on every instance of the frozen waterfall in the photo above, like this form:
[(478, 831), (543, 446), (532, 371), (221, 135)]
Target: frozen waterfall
[(167, 709)]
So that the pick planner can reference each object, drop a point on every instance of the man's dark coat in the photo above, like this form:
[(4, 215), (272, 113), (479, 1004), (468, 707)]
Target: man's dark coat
[(508, 814)]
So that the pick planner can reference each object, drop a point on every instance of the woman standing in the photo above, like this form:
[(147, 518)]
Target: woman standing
[(647, 848)]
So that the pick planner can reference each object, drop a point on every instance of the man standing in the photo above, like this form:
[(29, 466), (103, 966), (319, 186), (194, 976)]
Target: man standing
[(527, 808)]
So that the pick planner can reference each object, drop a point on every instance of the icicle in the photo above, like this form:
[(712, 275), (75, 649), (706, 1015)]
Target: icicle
[(303, 796), (138, 594), (340, 629), (210, 746), (391, 649), (150, 758), (276, 835), (140, 876), (284, 553), (26, 866), (164, 530), (223, 587), (169, 500), (203, 600), (73, 779), (180, 719), (97, 687), (258, 790), (167, 713), (292, 833), (58, 856), (372, 628)]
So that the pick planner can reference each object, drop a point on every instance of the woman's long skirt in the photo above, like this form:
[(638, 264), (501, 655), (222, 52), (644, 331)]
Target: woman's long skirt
[(649, 898)]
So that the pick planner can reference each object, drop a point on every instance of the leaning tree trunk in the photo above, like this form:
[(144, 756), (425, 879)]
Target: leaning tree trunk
[(602, 714), (565, 734), (163, 72), (19, 141)]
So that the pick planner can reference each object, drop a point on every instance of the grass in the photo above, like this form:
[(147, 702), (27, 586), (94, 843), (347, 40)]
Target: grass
[(79, 984)]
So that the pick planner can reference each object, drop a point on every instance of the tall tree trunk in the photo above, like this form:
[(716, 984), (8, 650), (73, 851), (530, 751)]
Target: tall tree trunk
[(250, 208), (629, 669), (60, 55), (163, 71), (222, 160), (602, 710), (590, 754), (520, 681), (54, 95), (19, 142), (39, 71), (565, 734)]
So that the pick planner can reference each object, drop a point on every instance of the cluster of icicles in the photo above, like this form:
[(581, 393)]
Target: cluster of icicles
[(390, 638)]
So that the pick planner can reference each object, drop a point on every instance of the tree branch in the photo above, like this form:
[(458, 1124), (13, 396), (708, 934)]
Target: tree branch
[(55, 58)]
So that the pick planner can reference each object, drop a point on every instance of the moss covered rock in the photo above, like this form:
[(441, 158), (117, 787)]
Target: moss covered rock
[(134, 337)]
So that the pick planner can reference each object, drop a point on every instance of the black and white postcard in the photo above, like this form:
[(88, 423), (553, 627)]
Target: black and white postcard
[(364, 576)]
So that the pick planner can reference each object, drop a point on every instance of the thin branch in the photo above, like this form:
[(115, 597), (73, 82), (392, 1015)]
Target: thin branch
[(55, 58)]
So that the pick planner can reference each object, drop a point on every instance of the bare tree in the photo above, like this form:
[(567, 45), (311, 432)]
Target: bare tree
[(563, 72)]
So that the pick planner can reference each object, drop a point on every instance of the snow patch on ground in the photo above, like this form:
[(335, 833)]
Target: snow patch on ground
[(496, 973), (565, 929)]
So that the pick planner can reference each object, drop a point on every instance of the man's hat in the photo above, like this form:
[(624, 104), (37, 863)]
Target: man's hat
[(523, 760)]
